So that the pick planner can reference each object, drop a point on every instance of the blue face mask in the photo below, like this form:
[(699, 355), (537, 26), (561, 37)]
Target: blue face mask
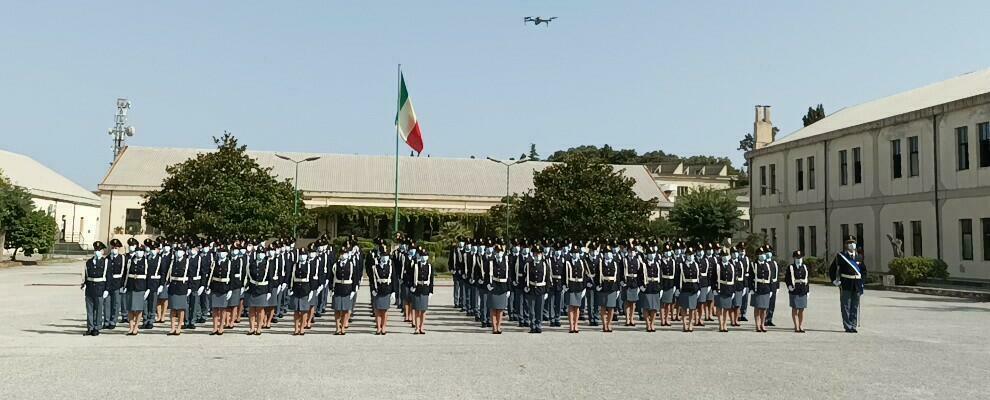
[(763, 257)]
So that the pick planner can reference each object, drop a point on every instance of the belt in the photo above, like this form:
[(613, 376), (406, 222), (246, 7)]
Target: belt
[(727, 283), (237, 276), (691, 281), (653, 279), (196, 278), (537, 283), (422, 282), (667, 276), (705, 274), (500, 280), (156, 277), (347, 282), (306, 279), (385, 281), (800, 281), (178, 278), (767, 281), (135, 276), (632, 275), (88, 279), (851, 276), (224, 280), (259, 283), (569, 279), (117, 276), (555, 276), (608, 278)]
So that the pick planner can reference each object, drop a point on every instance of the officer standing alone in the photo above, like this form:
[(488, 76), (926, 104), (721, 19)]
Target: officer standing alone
[(849, 274), (95, 288)]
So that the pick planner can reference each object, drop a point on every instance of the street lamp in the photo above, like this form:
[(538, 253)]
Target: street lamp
[(295, 182), (508, 200)]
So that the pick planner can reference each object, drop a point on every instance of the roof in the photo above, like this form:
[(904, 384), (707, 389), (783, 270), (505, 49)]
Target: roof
[(42, 181), (958, 88), (143, 168)]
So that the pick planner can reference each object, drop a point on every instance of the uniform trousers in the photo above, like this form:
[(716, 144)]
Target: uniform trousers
[(484, 313), (150, 307), (522, 307), (534, 303), (554, 305), (457, 291), (193, 307), (94, 312), (471, 297), (465, 295), (849, 301), (745, 304), (321, 300), (591, 308), (512, 310), (772, 305), (111, 307), (205, 306)]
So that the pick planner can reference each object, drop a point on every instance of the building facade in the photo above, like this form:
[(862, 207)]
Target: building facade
[(458, 185), (908, 175)]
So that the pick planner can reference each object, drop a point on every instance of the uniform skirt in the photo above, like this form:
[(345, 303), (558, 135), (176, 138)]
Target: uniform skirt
[(164, 294), (178, 302), (219, 300), (406, 292), (760, 301), (343, 303), (724, 301), (703, 295), (575, 299), (300, 304), (630, 294), (799, 301), (667, 296), (258, 301), (420, 302), (737, 299), (135, 300), (498, 301), (607, 299), (688, 300), (381, 301), (235, 298), (651, 301)]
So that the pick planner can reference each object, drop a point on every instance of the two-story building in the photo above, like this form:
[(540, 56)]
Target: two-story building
[(908, 175)]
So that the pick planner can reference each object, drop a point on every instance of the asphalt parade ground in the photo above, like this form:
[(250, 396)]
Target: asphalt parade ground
[(909, 346)]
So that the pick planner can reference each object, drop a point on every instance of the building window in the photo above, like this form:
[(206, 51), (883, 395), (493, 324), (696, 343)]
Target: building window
[(899, 231), (984, 130), (773, 178), (966, 227), (683, 190), (763, 180), (800, 174), (844, 229), (859, 237), (800, 233), (986, 238), (811, 173), (913, 156), (773, 238), (813, 241), (843, 168), (916, 248), (857, 165), (895, 158), (132, 221), (766, 236), (962, 148)]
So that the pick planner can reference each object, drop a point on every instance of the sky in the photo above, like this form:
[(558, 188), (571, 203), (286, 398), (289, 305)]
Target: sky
[(320, 76)]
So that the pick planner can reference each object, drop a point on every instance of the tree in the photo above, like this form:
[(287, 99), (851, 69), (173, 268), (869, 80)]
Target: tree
[(706, 214), (15, 204), (581, 197), (814, 114), (747, 144), (221, 194), (33, 233), (533, 155)]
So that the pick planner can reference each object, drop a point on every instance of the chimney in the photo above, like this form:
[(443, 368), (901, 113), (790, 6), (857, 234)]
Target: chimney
[(762, 127)]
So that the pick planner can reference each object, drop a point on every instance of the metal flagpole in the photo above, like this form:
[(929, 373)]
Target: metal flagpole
[(398, 108)]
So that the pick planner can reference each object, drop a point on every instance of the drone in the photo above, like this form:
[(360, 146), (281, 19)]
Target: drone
[(537, 20)]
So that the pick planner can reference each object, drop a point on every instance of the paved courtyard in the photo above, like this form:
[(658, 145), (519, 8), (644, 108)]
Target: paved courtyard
[(910, 346)]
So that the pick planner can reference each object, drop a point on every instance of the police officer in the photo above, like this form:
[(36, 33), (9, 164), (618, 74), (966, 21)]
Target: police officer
[(179, 289), (774, 284), (94, 284), (423, 275), (342, 280), (668, 267), (380, 282), (606, 280), (238, 272), (557, 291), (593, 260), (725, 286), (115, 285), (740, 266), (632, 265), (538, 280), (136, 288), (199, 270), (455, 261), (707, 265), (687, 280), (747, 266), (760, 289), (497, 280), (259, 291), (300, 293), (849, 273), (576, 273), (408, 266), (649, 283), (221, 286), (166, 256), (796, 278), (156, 282)]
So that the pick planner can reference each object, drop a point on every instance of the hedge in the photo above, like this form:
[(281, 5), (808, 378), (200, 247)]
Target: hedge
[(908, 271)]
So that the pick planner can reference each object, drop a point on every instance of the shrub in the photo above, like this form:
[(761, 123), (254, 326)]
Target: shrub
[(909, 271), (816, 267)]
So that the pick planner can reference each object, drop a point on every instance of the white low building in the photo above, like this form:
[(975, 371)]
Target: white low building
[(76, 210), (907, 174), (434, 183)]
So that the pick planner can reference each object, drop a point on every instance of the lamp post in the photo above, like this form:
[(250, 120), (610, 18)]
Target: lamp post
[(295, 181), (508, 200)]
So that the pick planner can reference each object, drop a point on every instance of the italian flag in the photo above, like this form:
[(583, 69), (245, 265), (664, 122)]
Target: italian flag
[(405, 121)]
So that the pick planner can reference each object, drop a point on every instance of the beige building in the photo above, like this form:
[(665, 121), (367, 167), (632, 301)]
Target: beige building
[(676, 178), (445, 184), (907, 174), (76, 210)]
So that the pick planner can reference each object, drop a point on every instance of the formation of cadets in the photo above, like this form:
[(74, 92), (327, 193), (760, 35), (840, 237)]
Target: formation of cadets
[(598, 281)]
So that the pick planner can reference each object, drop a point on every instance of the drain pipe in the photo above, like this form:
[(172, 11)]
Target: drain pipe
[(938, 208)]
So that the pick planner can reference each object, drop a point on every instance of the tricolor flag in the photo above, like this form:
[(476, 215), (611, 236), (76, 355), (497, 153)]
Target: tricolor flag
[(405, 121)]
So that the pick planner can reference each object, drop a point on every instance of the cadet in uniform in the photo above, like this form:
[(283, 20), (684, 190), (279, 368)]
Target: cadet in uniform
[(774, 284), (115, 286), (760, 289), (706, 264), (740, 266), (199, 267), (220, 291), (575, 270), (258, 292), (687, 278), (454, 264), (136, 289), (238, 272), (592, 263), (606, 288), (849, 273), (381, 289), (408, 264), (497, 283), (95, 291), (725, 285), (166, 265), (747, 267), (557, 290), (133, 245), (649, 284), (178, 290), (422, 291), (796, 278), (300, 295), (668, 267), (156, 269), (538, 280), (343, 284), (632, 265)]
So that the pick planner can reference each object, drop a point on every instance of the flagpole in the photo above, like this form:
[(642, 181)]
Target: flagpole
[(398, 97)]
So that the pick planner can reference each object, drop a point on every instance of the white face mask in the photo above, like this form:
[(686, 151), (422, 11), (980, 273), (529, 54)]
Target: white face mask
[(302, 257), (223, 255), (193, 252), (180, 253), (725, 259), (97, 254), (312, 254), (114, 251), (139, 253), (425, 258), (798, 261), (131, 248), (851, 246)]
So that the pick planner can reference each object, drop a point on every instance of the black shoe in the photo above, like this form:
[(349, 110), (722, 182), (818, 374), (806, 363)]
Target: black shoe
[(112, 326), (191, 326), (90, 332), (532, 330), (97, 333), (200, 320), (770, 324), (853, 330), (318, 315), (146, 325), (743, 319)]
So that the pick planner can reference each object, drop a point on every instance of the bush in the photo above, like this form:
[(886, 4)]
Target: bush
[(437, 250), (908, 271), (816, 266)]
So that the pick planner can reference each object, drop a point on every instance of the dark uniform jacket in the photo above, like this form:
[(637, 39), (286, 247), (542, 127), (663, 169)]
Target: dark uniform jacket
[(342, 277), (797, 279), (538, 276), (455, 262), (220, 277), (558, 273), (199, 270), (300, 282), (774, 275), (849, 270), (687, 276), (156, 272), (607, 275), (477, 273), (668, 268), (631, 270), (575, 273), (423, 278), (237, 271), (258, 278), (725, 278), (707, 267), (137, 274), (97, 273), (498, 277), (178, 276), (116, 280), (649, 277), (759, 281), (381, 278), (592, 265), (739, 268)]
